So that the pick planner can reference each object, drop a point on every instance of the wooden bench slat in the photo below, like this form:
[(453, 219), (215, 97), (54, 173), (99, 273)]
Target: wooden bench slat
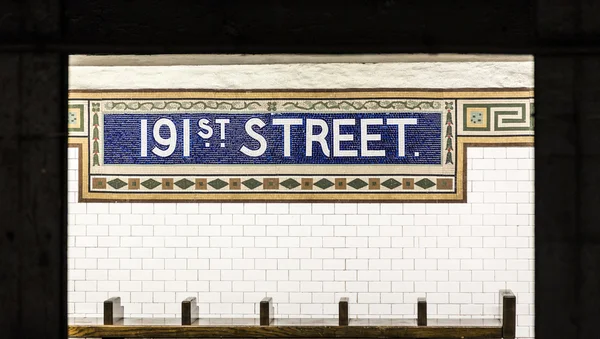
[(284, 331)]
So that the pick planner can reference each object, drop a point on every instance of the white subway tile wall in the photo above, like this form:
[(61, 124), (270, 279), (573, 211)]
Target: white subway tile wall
[(306, 256)]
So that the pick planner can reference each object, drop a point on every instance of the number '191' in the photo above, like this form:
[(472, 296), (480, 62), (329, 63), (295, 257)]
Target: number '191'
[(170, 142)]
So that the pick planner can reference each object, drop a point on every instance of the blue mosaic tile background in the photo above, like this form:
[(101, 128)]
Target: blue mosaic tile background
[(122, 139)]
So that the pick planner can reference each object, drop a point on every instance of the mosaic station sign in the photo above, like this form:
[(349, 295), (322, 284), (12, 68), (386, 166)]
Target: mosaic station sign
[(288, 146)]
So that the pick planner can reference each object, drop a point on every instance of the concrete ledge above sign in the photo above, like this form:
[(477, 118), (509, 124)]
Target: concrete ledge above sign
[(318, 145)]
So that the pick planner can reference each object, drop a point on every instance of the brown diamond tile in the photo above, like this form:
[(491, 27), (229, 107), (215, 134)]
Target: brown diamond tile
[(235, 183), (99, 183), (374, 184), (133, 183), (271, 183), (167, 184), (340, 183), (307, 183), (444, 184), (200, 184)]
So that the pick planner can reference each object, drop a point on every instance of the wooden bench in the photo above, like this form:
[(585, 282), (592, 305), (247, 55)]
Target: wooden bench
[(113, 325)]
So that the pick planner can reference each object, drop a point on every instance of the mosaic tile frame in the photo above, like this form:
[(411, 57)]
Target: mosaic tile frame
[(445, 183), (77, 117)]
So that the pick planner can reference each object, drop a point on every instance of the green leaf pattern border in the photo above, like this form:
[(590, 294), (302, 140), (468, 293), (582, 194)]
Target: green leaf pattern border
[(449, 135), (109, 106), (95, 138)]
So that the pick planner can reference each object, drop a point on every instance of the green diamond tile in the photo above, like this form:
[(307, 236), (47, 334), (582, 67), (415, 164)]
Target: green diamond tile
[(425, 183), (391, 183), (150, 184), (323, 183), (117, 183), (252, 183), (290, 183), (184, 183), (218, 184), (357, 183)]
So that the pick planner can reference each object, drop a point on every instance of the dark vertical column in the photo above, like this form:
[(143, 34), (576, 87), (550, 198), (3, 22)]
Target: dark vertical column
[(113, 311), (32, 173), (343, 312), (266, 311), (567, 146), (422, 312), (509, 314), (9, 168), (588, 240), (556, 152), (189, 311)]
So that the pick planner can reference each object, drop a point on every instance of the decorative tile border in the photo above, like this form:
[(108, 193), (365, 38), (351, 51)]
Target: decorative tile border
[(496, 117), (254, 184), (111, 106), (468, 118), (77, 117)]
